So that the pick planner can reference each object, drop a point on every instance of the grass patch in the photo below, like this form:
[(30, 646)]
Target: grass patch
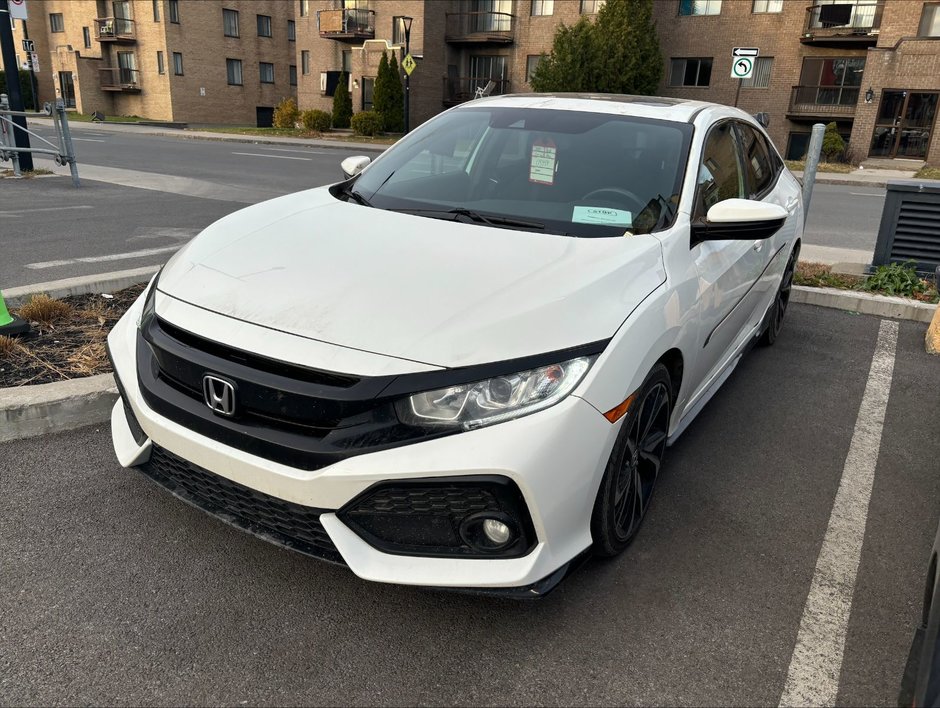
[(27, 174), (928, 173), (894, 279), (818, 275), (44, 310), (839, 167), (86, 118)]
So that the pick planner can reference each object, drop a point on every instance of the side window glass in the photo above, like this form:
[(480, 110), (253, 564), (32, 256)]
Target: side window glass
[(720, 174), (757, 163)]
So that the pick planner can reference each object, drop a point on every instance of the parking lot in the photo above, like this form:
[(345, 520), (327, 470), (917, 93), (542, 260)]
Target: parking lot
[(113, 591)]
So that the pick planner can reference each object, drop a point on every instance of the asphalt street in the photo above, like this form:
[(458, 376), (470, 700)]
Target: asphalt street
[(152, 184), (113, 591)]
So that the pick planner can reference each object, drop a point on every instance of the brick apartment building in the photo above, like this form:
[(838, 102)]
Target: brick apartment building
[(199, 61)]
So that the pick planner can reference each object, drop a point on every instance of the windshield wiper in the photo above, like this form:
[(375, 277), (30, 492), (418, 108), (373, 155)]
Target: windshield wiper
[(476, 217), (356, 197)]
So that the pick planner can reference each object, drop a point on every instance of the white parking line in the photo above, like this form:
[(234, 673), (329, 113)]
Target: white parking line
[(865, 194), (14, 212), (816, 664), (99, 259), (305, 152), (277, 157), (89, 140)]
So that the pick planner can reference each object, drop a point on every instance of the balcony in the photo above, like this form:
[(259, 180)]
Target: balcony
[(115, 29), (464, 88), (120, 80), (349, 25), (823, 102), (852, 24), (478, 28)]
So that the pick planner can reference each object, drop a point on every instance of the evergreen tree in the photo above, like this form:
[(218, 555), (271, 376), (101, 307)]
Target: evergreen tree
[(395, 118), (619, 53), (342, 103), (382, 92)]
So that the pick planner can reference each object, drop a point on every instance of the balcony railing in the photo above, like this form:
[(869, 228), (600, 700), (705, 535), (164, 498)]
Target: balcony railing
[(465, 88), (823, 100), (115, 29), (127, 80), (843, 23), (478, 27), (348, 24)]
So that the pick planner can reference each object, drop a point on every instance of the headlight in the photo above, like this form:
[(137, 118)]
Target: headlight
[(494, 400)]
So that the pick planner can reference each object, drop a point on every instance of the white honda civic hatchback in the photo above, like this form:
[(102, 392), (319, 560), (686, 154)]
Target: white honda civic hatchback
[(461, 366)]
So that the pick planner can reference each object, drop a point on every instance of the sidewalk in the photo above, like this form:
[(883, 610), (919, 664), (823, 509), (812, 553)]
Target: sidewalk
[(860, 177)]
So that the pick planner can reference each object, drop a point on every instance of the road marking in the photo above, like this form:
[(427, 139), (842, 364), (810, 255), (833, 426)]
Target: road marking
[(14, 212), (99, 259), (305, 152), (89, 140), (816, 664), (277, 157), (865, 194)]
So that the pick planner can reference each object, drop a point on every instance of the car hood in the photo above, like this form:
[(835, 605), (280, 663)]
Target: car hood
[(437, 292)]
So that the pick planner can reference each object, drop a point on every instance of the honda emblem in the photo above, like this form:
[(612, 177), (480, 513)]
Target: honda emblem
[(219, 395)]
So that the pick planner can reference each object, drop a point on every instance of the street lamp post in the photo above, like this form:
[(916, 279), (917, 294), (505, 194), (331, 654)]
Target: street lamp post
[(406, 24)]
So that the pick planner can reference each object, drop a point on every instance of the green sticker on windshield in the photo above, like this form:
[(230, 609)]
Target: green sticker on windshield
[(602, 215)]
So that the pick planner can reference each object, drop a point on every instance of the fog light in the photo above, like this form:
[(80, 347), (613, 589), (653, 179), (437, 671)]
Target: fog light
[(497, 532)]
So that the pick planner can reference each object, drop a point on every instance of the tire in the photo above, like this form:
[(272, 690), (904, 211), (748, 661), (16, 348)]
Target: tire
[(779, 309), (633, 467)]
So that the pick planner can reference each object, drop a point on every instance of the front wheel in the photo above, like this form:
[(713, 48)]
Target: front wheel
[(633, 467), (781, 301)]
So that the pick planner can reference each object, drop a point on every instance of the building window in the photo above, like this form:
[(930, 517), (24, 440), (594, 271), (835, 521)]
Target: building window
[(699, 7), (304, 62), (930, 21), (161, 66), (177, 63), (761, 6), (304, 8), (368, 84), (760, 77), (86, 36), (292, 74), (291, 31), (267, 72), (233, 67), (347, 61), (591, 7), (691, 72), (56, 22), (264, 25), (156, 10), (831, 81), (230, 23), (542, 7), (398, 31), (531, 62), (175, 11)]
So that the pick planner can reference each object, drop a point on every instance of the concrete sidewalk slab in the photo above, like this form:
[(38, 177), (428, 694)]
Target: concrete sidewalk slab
[(860, 178)]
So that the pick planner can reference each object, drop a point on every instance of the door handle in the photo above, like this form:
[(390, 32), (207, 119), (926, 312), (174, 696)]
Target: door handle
[(758, 245), (791, 204)]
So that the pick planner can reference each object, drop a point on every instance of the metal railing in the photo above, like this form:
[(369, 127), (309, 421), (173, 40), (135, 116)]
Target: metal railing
[(464, 88), (118, 79), (62, 151), (114, 29), (859, 17), (478, 27), (349, 22), (824, 100)]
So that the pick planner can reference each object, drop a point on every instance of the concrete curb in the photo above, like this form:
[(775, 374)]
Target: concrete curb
[(865, 303), (81, 285), (27, 411), (932, 338)]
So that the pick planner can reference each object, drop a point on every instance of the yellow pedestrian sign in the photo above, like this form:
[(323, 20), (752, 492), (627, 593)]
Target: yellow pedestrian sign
[(408, 64)]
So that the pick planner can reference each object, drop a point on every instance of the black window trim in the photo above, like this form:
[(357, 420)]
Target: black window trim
[(775, 163)]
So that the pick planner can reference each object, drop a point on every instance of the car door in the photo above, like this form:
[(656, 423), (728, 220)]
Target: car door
[(729, 272)]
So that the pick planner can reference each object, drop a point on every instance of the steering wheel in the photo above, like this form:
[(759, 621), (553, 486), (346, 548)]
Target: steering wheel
[(619, 193)]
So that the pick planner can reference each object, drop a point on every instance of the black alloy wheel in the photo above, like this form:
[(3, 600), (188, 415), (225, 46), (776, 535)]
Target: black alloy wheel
[(779, 308), (633, 467)]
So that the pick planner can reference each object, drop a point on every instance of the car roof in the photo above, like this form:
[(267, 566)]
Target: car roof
[(672, 109)]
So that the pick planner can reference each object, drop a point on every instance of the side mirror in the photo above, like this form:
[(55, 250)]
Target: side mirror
[(352, 166), (739, 220)]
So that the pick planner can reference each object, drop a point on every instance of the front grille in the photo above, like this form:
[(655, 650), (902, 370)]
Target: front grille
[(282, 522), (443, 500)]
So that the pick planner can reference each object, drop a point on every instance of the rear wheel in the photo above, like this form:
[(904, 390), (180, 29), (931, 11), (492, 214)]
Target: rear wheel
[(781, 301), (633, 467)]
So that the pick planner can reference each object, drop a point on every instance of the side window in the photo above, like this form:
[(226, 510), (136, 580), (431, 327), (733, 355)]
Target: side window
[(758, 167), (719, 175)]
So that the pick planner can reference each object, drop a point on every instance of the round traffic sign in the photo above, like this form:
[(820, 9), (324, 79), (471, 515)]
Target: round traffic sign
[(742, 67)]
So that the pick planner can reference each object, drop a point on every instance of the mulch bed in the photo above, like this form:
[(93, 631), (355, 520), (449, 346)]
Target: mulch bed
[(70, 347)]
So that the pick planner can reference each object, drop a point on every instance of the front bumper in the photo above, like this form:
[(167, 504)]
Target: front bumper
[(555, 457)]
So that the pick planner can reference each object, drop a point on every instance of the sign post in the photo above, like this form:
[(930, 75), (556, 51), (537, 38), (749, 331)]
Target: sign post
[(742, 66), (20, 136)]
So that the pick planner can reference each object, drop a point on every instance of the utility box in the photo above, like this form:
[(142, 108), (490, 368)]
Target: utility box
[(910, 225)]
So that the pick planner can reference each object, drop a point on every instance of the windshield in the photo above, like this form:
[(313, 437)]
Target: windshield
[(569, 172)]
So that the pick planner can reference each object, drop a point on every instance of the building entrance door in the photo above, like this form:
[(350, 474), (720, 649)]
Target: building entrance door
[(904, 124), (67, 88)]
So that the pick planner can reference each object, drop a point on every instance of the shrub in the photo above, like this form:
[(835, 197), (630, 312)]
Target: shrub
[(45, 310), (367, 123), (286, 114), (395, 114), (833, 145), (896, 279), (316, 121), (342, 103)]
